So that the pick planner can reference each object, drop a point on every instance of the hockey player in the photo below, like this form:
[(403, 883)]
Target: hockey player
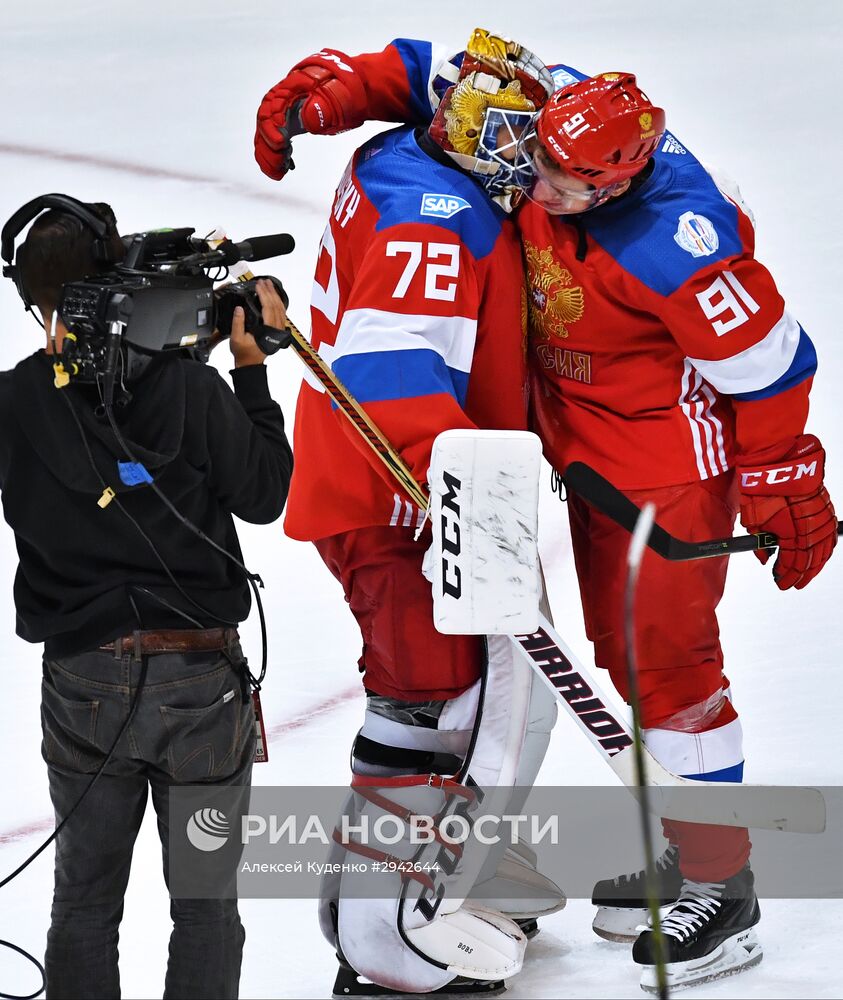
[(661, 354), (417, 307)]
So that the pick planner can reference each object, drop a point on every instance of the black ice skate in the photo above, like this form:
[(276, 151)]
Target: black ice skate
[(623, 903), (708, 933)]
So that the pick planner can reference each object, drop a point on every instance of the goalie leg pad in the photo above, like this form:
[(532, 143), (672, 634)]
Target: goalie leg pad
[(510, 880), (417, 935), (413, 930)]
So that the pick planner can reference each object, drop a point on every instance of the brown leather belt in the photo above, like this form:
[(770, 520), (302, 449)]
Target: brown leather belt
[(185, 640)]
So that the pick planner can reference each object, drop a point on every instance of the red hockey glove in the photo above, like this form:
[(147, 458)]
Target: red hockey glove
[(787, 498), (321, 94)]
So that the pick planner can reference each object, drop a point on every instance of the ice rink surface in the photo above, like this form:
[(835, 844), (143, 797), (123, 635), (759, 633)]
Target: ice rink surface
[(151, 108)]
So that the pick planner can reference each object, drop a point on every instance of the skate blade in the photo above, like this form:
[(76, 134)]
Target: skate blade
[(529, 927), (622, 925), (349, 984), (736, 954)]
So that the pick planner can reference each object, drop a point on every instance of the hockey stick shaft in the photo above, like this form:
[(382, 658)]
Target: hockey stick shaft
[(797, 809), (341, 396), (790, 809), (637, 544), (358, 417), (597, 491)]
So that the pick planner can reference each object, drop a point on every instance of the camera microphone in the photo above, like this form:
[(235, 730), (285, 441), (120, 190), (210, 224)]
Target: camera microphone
[(257, 248)]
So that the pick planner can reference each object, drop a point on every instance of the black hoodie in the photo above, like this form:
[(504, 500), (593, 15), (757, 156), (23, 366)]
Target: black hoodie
[(211, 452)]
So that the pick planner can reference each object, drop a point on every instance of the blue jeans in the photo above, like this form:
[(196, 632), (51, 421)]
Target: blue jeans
[(194, 724)]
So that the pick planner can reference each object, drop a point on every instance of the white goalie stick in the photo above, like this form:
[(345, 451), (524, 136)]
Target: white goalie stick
[(786, 808)]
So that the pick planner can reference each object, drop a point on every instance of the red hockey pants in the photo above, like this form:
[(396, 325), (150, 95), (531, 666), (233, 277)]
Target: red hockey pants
[(403, 655), (677, 636)]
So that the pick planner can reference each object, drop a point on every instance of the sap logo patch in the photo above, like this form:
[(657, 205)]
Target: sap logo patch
[(442, 206), (696, 235)]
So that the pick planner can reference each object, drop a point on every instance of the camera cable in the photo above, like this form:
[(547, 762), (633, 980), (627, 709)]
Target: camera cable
[(61, 825), (254, 580)]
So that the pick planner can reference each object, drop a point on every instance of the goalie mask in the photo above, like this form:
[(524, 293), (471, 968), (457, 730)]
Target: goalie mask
[(482, 116)]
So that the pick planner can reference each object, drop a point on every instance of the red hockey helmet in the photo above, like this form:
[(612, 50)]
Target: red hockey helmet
[(603, 129)]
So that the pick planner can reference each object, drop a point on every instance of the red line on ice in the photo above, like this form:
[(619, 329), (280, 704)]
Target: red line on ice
[(161, 173), (300, 721), (22, 832)]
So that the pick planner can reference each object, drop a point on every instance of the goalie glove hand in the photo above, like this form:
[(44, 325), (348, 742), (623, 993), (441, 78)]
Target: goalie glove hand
[(787, 498), (322, 94)]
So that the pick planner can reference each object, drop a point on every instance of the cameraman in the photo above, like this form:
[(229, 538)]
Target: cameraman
[(123, 595)]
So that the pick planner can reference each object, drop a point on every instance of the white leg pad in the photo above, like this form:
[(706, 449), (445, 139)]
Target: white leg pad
[(418, 937)]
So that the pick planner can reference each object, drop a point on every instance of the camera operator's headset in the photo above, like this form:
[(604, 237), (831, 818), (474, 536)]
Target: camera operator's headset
[(103, 230)]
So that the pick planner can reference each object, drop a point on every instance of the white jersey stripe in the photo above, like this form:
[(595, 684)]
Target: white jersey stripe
[(756, 367), (718, 426), (366, 331), (697, 753), (404, 512), (701, 416), (308, 376), (686, 408)]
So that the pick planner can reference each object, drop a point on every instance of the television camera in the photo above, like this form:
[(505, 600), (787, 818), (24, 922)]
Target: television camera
[(158, 298)]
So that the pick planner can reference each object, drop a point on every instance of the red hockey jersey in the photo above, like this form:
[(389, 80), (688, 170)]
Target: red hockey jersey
[(418, 306), (659, 346)]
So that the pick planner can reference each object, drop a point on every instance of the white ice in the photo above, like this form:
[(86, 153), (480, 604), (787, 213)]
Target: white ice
[(151, 107)]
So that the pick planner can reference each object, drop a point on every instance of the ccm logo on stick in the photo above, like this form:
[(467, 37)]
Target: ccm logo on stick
[(451, 574), (774, 477)]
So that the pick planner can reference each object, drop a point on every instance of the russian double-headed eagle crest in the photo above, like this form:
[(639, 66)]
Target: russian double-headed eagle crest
[(554, 300)]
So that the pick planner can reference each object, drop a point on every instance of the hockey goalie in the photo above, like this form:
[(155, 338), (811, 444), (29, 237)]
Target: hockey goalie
[(417, 307)]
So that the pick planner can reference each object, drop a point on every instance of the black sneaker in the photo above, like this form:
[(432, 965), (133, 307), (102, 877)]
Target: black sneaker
[(623, 903), (708, 933)]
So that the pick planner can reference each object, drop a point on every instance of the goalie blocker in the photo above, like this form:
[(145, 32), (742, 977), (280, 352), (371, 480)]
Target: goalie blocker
[(484, 564)]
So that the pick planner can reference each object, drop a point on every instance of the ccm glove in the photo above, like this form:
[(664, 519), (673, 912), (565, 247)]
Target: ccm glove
[(321, 94), (788, 499)]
